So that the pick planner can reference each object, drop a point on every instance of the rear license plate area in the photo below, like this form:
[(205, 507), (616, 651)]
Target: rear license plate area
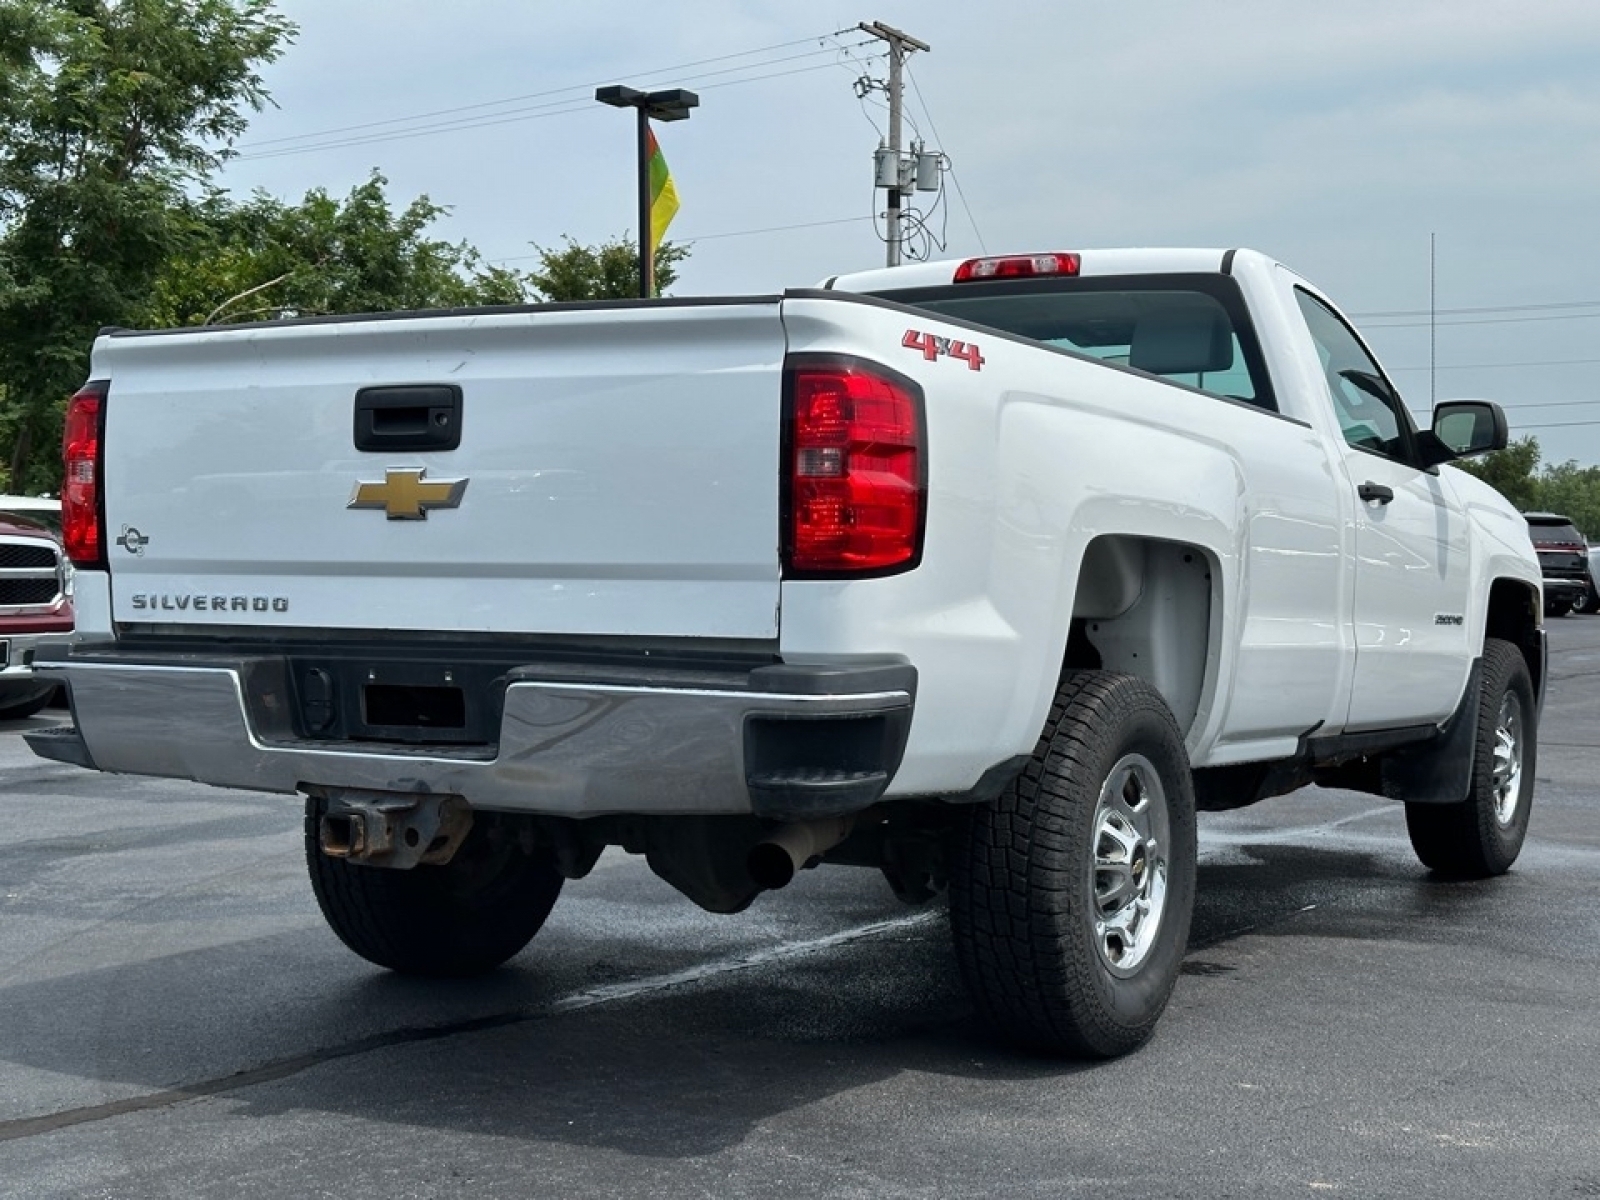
[(413, 706), (408, 702)]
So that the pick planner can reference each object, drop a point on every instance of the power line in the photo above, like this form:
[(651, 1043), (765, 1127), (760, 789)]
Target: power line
[(1519, 405), (708, 237), (864, 88), (555, 108), (954, 178), (453, 127), (1517, 426), (1547, 362), (1487, 320), (706, 87), (441, 112), (1422, 312), (584, 89), (425, 131)]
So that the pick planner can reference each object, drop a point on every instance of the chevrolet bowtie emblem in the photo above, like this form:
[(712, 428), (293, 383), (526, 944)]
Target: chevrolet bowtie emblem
[(405, 496)]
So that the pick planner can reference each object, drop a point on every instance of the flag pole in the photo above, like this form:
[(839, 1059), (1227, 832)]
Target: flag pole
[(647, 265)]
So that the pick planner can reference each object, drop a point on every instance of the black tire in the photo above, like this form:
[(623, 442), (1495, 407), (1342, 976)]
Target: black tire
[(1027, 869), (1483, 835), (463, 918), (1559, 608), (21, 703)]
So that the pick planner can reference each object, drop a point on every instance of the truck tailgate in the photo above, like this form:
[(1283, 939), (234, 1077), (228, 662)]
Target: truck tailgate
[(617, 474)]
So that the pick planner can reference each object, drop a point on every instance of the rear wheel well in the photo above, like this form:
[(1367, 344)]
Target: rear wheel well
[(1145, 607)]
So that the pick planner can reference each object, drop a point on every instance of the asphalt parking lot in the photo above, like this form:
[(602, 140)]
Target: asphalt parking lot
[(176, 1020)]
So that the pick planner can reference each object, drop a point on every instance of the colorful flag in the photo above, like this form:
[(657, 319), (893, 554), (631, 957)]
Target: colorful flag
[(663, 195)]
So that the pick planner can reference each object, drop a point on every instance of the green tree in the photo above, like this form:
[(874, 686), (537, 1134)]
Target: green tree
[(112, 113), (266, 259), (1564, 488), (1512, 472), (609, 271), (1574, 491)]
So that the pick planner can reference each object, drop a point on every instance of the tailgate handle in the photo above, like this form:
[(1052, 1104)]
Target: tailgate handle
[(418, 416)]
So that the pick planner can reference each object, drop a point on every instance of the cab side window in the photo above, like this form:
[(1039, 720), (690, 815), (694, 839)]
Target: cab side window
[(1371, 415)]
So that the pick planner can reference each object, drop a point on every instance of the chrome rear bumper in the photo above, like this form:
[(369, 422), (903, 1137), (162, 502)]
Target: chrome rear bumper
[(576, 748)]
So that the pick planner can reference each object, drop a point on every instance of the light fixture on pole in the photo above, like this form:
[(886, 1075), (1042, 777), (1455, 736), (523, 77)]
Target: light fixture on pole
[(672, 104)]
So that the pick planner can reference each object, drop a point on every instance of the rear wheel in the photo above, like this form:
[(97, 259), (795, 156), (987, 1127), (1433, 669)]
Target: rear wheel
[(1071, 893), (21, 702), (1483, 835), (16, 711), (462, 918)]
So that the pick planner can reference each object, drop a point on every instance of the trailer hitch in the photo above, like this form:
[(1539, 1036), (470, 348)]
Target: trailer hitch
[(398, 830)]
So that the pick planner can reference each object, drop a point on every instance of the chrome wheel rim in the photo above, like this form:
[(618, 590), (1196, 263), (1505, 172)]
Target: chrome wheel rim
[(1128, 870), (1507, 767)]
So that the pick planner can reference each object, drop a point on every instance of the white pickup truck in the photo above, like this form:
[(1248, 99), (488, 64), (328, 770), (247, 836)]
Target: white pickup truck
[(987, 574)]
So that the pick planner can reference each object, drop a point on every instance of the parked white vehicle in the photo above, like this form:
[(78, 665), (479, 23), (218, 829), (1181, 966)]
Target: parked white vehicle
[(1590, 602), (986, 574)]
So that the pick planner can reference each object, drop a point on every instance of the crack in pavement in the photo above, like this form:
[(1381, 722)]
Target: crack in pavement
[(27, 1127)]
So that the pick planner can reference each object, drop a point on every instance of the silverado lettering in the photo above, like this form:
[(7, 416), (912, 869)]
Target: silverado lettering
[(181, 603)]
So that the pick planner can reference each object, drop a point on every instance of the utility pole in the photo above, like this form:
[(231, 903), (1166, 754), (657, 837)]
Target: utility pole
[(900, 47), (1433, 326)]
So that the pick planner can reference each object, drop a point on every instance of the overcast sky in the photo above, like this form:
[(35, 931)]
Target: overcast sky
[(1335, 137)]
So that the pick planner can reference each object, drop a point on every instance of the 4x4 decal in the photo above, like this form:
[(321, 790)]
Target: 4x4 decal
[(934, 347)]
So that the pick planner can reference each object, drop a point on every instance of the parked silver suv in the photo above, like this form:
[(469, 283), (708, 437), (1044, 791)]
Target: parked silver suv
[(1591, 602)]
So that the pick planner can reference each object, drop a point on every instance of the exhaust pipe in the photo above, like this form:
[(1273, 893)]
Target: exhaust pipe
[(772, 863)]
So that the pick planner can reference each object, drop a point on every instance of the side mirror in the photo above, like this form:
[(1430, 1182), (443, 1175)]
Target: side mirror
[(1462, 428)]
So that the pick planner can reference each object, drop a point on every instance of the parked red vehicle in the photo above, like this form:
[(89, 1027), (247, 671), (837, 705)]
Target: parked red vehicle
[(35, 609)]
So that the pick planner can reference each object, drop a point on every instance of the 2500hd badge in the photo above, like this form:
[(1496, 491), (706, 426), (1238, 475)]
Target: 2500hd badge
[(187, 603)]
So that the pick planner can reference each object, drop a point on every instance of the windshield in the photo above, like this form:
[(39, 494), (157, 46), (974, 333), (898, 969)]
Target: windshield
[(1188, 329)]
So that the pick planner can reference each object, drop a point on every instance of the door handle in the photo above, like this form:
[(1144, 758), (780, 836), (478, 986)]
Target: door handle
[(408, 417), (1370, 491)]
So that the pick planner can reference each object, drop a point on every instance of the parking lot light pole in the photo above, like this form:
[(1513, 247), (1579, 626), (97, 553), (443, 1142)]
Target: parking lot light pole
[(670, 105)]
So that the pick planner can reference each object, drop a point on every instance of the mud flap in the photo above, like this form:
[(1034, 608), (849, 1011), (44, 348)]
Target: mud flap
[(1439, 771)]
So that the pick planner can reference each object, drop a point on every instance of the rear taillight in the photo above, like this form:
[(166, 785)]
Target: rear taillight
[(855, 457), (82, 521)]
